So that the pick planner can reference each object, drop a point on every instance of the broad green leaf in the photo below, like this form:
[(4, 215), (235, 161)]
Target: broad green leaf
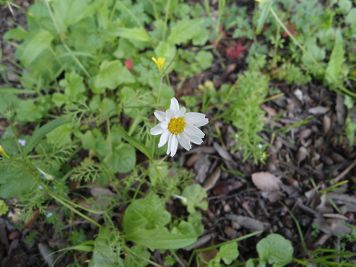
[(136, 34), (195, 197), (111, 75), (42, 132), (33, 47), (185, 30), (16, 179), (145, 223), (276, 250), (334, 71), (147, 213), (122, 159), (69, 12), (17, 34), (107, 249)]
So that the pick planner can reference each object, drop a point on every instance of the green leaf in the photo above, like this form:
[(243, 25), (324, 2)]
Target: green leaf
[(351, 17), (16, 179), (264, 7), (185, 30), (68, 12), (3, 207), (60, 136), (136, 34), (42, 132), (205, 59), (334, 71), (195, 197), (250, 263), (228, 252), (107, 249), (15, 91), (132, 141), (166, 50), (122, 159), (138, 256), (74, 90), (145, 223), (276, 250), (33, 47), (111, 75)]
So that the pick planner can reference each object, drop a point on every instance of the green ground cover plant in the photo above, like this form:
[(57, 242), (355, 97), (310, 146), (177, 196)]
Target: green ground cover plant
[(91, 75)]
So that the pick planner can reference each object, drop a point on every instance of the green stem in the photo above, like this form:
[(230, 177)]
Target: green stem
[(134, 142), (76, 60), (60, 200)]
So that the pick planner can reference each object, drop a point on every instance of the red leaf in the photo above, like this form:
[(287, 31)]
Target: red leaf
[(235, 51)]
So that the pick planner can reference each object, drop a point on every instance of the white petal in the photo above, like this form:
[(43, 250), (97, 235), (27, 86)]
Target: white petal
[(192, 130), (184, 141), (160, 115), (169, 114), (164, 138), (164, 125), (181, 112), (169, 144), (174, 145), (156, 130), (195, 118), (174, 104), (195, 140)]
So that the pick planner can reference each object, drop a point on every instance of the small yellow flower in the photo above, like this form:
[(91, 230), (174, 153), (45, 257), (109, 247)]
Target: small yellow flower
[(3, 152), (160, 61)]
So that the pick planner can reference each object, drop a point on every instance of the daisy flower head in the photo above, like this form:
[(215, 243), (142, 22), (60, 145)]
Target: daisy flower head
[(176, 126)]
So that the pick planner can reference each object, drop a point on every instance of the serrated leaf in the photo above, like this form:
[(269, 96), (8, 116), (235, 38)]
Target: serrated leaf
[(195, 197), (276, 250)]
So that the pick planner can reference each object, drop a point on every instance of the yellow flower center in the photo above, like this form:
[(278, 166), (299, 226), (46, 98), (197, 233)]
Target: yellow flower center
[(160, 61), (176, 125)]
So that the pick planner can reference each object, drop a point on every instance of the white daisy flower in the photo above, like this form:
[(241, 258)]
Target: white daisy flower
[(179, 127)]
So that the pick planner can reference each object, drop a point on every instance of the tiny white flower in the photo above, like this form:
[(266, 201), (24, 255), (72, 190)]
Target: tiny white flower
[(22, 142), (179, 127), (49, 214)]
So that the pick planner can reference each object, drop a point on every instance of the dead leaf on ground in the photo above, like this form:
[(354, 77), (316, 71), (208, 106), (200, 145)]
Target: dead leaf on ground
[(265, 181)]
